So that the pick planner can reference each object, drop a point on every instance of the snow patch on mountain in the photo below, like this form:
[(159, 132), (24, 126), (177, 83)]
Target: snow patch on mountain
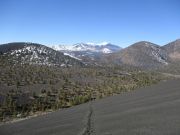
[(106, 50), (159, 55), (159, 58), (70, 55)]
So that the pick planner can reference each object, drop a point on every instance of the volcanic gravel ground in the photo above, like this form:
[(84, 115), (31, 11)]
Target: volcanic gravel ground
[(154, 110)]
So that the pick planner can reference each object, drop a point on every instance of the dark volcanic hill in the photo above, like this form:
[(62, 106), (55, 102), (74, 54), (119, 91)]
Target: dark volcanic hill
[(141, 54), (31, 53)]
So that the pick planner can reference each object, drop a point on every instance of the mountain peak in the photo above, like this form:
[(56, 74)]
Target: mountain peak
[(178, 39), (175, 43), (143, 44), (98, 44)]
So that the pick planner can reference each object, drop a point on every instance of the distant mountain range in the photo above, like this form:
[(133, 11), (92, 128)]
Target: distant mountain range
[(142, 54), (91, 47), (87, 51)]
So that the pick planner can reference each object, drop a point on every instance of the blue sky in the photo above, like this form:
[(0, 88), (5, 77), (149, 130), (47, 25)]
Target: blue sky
[(121, 22)]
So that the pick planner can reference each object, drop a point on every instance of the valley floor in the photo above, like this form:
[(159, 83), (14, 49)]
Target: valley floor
[(148, 111)]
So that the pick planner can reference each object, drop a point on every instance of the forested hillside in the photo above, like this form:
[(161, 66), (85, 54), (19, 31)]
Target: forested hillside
[(27, 89)]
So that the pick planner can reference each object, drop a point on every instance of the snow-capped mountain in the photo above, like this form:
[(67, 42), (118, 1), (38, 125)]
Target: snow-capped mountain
[(87, 51), (101, 48), (31, 53)]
